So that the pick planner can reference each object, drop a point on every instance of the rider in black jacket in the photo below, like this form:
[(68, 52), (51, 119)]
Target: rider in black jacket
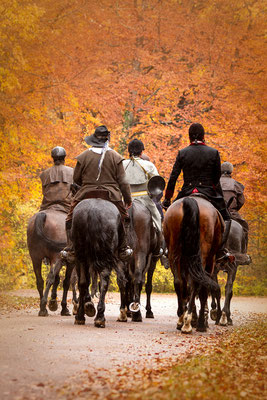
[(201, 166)]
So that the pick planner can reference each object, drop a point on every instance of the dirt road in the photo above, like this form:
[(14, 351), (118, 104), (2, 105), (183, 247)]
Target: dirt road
[(40, 354)]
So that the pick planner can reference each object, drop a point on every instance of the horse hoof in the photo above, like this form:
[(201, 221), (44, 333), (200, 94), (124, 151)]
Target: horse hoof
[(201, 329), (230, 322), (52, 305), (65, 312), (137, 317), (100, 323), (213, 314), (149, 314), (223, 320), (123, 316), (89, 309), (186, 332), (43, 313), (79, 321), (75, 308), (179, 326), (129, 314)]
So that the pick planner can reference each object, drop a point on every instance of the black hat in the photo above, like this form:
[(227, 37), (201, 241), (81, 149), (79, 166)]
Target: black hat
[(99, 138), (155, 185)]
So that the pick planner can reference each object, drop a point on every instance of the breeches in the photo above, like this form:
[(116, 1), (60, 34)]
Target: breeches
[(151, 206)]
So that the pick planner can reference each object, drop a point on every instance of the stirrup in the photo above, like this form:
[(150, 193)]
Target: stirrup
[(67, 255), (161, 252), (125, 254)]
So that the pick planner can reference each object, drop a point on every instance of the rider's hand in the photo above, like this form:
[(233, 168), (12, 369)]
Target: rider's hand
[(166, 204), (128, 205)]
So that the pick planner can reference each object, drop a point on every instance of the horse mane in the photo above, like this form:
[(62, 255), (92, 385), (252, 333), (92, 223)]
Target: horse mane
[(38, 232)]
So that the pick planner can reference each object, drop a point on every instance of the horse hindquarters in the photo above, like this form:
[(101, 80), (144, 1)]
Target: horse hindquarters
[(191, 262)]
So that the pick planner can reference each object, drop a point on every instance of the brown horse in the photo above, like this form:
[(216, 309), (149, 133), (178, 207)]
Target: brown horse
[(143, 240), (46, 237), (236, 244), (193, 232)]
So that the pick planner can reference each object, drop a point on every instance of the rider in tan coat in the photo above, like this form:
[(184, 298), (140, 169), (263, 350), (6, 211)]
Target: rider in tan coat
[(233, 192), (56, 182)]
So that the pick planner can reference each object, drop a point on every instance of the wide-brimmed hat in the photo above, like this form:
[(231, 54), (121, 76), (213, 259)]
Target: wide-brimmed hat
[(99, 137)]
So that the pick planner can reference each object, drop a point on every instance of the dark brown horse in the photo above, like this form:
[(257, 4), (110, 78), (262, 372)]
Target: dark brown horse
[(193, 233), (95, 234), (143, 240), (46, 237), (236, 244)]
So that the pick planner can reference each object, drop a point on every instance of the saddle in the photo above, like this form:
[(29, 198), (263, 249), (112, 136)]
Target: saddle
[(202, 196)]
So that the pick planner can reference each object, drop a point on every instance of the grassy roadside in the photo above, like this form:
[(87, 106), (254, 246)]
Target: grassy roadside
[(232, 368)]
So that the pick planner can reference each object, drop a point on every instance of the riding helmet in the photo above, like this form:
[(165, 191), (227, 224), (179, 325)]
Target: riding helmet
[(58, 153), (135, 147), (227, 168)]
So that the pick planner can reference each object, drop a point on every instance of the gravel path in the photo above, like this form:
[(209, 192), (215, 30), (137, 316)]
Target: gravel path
[(40, 354)]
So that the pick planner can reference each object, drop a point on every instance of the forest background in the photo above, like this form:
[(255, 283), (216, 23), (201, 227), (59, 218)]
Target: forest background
[(146, 69)]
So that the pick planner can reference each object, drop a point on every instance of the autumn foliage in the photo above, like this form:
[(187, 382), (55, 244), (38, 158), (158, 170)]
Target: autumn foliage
[(146, 69)]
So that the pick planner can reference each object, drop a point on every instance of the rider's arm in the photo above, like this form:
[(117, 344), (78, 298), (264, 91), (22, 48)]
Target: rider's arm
[(240, 198), (123, 184), (217, 170), (77, 174), (173, 178)]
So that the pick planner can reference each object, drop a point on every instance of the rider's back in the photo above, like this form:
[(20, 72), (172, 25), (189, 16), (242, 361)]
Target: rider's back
[(56, 183)]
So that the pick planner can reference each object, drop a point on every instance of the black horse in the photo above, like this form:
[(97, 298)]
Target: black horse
[(46, 237), (143, 240), (237, 246), (95, 235)]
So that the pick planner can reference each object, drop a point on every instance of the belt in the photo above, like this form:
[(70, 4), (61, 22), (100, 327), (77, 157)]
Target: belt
[(142, 193)]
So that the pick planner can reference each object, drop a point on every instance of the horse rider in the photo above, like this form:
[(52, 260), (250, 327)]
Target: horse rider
[(233, 192), (201, 168), (99, 173), (56, 183), (138, 172)]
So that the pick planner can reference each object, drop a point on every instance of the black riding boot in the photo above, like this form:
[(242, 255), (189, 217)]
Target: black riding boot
[(223, 251), (124, 251), (67, 254)]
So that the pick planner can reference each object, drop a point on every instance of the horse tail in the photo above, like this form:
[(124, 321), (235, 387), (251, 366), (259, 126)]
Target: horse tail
[(94, 240), (39, 224), (190, 238)]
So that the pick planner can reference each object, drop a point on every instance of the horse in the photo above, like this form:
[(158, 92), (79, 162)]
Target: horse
[(193, 231), (236, 244), (143, 240), (95, 235), (46, 237)]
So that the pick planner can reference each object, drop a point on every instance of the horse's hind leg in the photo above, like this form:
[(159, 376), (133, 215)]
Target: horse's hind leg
[(54, 269), (37, 267), (83, 285), (121, 280), (203, 296), (150, 272), (73, 282), (53, 301), (104, 281), (66, 285), (226, 313)]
